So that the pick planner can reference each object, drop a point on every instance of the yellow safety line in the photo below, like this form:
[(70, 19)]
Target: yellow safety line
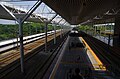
[(94, 55)]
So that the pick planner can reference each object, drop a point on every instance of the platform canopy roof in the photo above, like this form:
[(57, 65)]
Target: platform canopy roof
[(4, 14), (79, 11), (20, 9)]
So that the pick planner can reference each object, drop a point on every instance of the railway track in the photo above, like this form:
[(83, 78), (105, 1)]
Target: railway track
[(107, 51), (13, 66), (10, 56), (13, 43), (109, 56)]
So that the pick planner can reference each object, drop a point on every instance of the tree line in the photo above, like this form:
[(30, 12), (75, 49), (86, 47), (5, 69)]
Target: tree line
[(12, 31)]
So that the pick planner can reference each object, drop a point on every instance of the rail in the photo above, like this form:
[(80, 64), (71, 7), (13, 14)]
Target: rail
[(11, 44), (39, 68), (109, 56)]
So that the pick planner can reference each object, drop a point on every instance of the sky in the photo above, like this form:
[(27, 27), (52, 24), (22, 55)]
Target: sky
[(2, 21), (27, 5)]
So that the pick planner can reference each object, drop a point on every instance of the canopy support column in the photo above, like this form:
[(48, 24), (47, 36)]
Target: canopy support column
[(116, 39), (21, 44), (46, 24), (21, 20), (46, 36), (55, 34), (61, 32)]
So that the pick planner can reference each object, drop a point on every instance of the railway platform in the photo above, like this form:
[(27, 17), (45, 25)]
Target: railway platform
[(77, 56)]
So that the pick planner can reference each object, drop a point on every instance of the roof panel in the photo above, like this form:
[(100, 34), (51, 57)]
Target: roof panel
[(4, 14), (77, 11)]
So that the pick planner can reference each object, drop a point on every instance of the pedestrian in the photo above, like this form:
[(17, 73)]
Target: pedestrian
[(69, 74), (77, 74)]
